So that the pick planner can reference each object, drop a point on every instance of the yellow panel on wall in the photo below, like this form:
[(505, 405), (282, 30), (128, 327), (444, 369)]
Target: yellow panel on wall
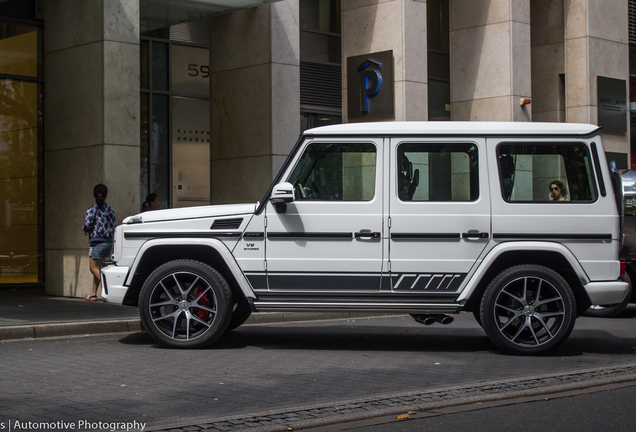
[(19, 107), (19, 256), (19, 201), (18, 54), (18, 153)]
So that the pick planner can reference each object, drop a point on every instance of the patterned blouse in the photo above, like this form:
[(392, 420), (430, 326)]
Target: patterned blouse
[(99, 224)]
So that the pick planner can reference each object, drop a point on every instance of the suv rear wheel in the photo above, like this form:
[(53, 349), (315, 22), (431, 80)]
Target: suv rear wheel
[(528, 309), (185, 304)]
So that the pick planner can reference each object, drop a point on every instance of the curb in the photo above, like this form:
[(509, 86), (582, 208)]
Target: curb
[(32, 331)]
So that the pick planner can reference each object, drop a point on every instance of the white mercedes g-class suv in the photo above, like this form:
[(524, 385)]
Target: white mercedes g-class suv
[(421, 218)]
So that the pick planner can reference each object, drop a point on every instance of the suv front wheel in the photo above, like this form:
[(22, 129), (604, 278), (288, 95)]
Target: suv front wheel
[(528, 309), (185, 304)]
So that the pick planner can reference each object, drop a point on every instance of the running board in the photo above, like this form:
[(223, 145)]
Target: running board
[(416, 308)]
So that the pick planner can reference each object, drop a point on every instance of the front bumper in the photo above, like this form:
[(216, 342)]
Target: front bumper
[(607, 293), (113, 279)]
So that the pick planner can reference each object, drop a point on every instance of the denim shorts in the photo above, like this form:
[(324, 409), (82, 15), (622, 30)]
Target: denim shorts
[(100, 250)]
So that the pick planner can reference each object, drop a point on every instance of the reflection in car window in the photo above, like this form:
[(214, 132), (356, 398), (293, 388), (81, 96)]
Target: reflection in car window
[(437, 172), (336, 172), (531, 172)]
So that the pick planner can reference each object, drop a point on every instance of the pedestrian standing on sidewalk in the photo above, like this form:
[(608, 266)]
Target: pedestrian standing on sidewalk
[(99, 226)]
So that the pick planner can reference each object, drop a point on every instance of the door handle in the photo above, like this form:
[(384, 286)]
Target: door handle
[(475, 234), (367, 234)]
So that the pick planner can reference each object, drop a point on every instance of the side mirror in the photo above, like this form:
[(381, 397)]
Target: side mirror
[(282, 193)]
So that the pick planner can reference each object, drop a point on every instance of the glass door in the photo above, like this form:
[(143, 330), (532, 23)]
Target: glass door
[(21, 162)]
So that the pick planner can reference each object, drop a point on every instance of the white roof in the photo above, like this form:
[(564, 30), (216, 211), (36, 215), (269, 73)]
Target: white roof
[(455, 128)]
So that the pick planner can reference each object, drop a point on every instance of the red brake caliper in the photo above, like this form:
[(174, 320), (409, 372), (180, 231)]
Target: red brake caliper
[(203, 314)]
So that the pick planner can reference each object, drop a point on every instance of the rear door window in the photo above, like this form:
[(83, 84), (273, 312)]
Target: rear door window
[(437, 172), (546, 172)]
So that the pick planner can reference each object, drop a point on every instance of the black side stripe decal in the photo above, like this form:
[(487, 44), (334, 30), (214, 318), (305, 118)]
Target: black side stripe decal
[(424, 236), (142, 234), (427, 282), (258, 281), (318, 235), (552, 236), (254, 235), (326, 282)]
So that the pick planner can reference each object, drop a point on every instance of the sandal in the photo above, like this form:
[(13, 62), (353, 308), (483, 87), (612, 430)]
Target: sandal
[(91, 298)]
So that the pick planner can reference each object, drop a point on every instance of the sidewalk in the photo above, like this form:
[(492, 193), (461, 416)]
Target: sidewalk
[(30, 313)]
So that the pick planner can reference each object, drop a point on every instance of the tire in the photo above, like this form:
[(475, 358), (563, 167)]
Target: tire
[(477, 315), (185, 304), (512, 317), (611, 311), (239, 316)]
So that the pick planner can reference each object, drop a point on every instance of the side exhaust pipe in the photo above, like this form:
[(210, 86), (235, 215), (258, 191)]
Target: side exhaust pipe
[(432, 319), (444, 319), (424, 319)]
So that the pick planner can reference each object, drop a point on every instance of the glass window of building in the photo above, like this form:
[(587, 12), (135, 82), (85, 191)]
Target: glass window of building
[(438, 35), (175, 115), (320, 63), (21, 153)]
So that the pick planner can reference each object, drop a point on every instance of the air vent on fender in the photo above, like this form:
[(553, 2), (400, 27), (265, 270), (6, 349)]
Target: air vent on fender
[(227, 223)]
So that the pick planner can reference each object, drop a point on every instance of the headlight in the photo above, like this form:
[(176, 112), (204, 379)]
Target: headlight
[(118, 245)]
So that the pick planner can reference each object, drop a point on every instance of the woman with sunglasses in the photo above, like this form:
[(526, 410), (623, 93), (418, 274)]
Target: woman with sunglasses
[(558, 191)]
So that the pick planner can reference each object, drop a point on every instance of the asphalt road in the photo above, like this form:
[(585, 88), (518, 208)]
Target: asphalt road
[(275, 366), (606, 410)]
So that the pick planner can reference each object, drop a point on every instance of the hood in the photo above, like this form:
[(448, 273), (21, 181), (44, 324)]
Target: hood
[(191, 213)]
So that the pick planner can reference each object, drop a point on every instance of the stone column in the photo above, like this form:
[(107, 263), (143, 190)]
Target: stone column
[(548, 60), (596, 43), (399, 25), (255, 98), (91, 59), (490, 59)]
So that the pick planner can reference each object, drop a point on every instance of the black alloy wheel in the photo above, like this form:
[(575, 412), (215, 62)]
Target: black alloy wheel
[(185, 304), (528, 310)]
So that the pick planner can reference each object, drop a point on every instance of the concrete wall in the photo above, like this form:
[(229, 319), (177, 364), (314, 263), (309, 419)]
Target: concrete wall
[(255, 98), (490, 59), (596, 43), (92, 127), (548, 60)]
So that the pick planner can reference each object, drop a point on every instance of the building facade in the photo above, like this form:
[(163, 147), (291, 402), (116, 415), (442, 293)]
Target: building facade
[(201, 101)]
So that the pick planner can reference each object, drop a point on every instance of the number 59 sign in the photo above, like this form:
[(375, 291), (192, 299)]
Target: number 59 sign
[(190, 70), (198, 70)]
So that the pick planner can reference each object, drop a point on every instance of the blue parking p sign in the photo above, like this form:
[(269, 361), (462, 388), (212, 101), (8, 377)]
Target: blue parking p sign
[(613, 166)]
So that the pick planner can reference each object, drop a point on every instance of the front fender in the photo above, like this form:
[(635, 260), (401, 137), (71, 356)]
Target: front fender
[(217, 245)]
